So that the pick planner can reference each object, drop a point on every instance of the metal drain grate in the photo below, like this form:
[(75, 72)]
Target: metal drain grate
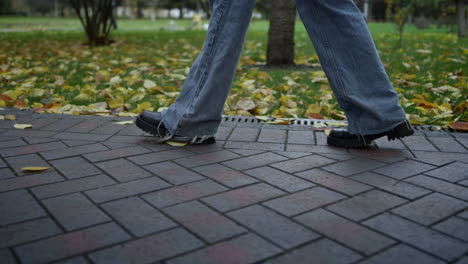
[(311, 122)]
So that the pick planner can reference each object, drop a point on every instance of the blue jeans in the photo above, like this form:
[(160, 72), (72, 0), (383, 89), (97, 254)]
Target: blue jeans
[(343, 43)]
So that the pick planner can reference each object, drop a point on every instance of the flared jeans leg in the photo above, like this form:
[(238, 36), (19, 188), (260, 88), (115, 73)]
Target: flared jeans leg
[(350, 60), (197, 110)]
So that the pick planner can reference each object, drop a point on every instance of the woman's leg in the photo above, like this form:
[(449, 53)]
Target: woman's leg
[(198, 109), (350, 60)]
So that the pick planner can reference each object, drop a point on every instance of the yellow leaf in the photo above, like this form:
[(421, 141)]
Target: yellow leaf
[(338, 124), (33, 169), (2, 117), (115, 103), (13, 94), (327, 131), (10, 117), (176, 144), (124, 122), (142, 107), (2, 103), (314, 109), (148, 84), (22, 126), (262, 118)]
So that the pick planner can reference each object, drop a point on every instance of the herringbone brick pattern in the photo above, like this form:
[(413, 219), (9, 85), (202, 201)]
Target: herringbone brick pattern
[(261, 194)]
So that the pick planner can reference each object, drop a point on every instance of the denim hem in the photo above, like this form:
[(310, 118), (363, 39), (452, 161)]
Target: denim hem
[(378, 131)]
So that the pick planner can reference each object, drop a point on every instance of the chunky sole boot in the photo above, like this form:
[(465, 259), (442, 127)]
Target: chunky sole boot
[(343, 139), (151, 123)]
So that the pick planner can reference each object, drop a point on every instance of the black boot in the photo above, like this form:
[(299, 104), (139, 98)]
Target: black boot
[(151, 122), (344, 139)]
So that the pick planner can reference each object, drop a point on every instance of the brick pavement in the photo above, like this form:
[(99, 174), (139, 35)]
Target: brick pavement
[(261, 194)]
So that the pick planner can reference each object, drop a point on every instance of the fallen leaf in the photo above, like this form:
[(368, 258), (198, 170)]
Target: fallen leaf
[(336, 124), (176, 144), (22, 126), (263, 118), (34, 169), (327, 131), (246, 105), (148, 84), (10, 117), (460, 126), (124, 122)]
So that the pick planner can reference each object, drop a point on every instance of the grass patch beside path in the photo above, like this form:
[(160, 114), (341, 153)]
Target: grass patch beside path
[(52, 69)]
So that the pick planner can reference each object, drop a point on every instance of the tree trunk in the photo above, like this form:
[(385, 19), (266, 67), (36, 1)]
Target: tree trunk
[(139, 11), (181, 12), (280, 50), (461, 21)]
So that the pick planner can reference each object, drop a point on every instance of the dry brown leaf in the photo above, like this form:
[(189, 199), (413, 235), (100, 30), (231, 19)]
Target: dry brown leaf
[(10, 117), (460, 126)]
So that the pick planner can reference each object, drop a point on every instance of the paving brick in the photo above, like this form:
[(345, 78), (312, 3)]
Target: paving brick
[(73, 151), (321, 138), (365, 205), (300, 202), (81, 136), (183, 193), (112, 145), (207, 158), (160, 156), (301, 137), (400, 188), (402, 254), (453, 172), (205, 148), (87, 125), (454, 226), (128, 139), (123, 170), (419, 143), (2, 163), (463, 260), (418, 236), (322, 251), (173, 173), (444, 187), (315, 149), (25, 207), (462, 141), (39, 123), (74, 211), (303, 163), (116, 153), (447, 144), (108, 128), (149, 249), (29, 181), (242, 197), (254, 161), (13, 235), (137, 216), (347, 232), (131, 131), (71, 186), (6, 173), (439, 159), (227, 176), (247, 152), (204, 221), (383, 143), (334, 182), (353, 166), (75, 167), (291, 154), (17, 162), (28, 149), (253, 145), (248, 248), (75, 260), (6, 256), (122, 190), (28, 133), (61, 124), (71, 244), (431, 208), (340, 156), (280, 179), (272, 135), (404, 169), (36, 140), (75, 143), (223, 133), (277, 228), (384, 155), (244, 134), (12, 143)]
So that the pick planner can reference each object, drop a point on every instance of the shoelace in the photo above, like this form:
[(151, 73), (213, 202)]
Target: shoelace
[(168, 136)]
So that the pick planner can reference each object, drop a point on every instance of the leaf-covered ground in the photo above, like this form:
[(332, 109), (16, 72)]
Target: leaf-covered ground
[(54, 72)]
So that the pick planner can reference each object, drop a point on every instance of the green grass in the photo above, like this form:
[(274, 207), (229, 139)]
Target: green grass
[(161, 53)]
